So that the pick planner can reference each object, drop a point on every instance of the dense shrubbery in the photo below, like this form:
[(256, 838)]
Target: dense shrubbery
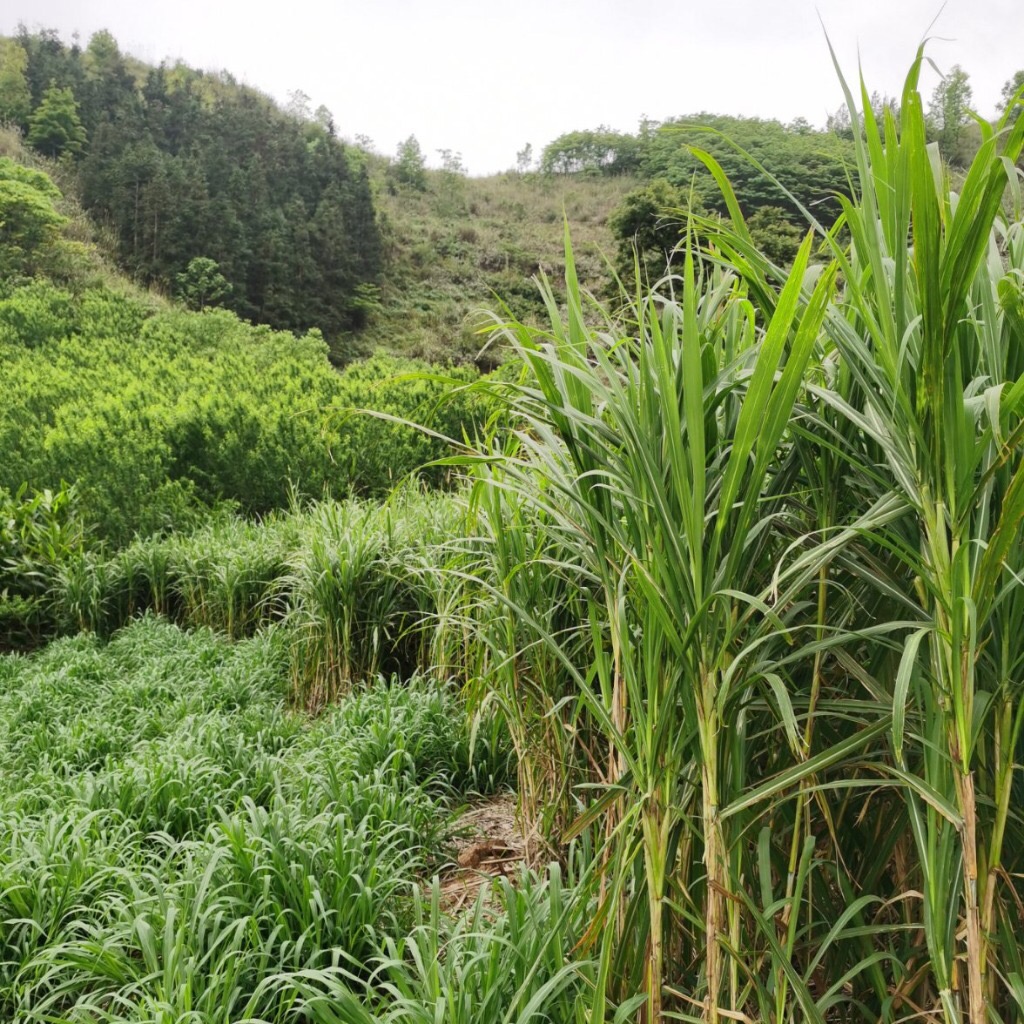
[(156, 416), (31, 241), (40, 535)]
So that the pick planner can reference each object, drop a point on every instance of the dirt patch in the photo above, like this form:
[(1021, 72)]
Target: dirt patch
[(488, 845)]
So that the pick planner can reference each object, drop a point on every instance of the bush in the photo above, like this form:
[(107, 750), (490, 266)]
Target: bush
[(157, 417)]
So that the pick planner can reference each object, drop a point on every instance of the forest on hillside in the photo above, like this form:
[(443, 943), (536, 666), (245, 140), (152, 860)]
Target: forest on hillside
[(180, 164), (212, 192)]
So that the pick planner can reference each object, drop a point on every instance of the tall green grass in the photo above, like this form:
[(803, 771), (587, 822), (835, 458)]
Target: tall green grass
[(746, 584), (354, 582), (740, 578)]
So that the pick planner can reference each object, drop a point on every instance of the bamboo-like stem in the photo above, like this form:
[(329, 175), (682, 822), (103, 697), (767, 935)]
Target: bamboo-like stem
[(714, 853), (802, 813), (1004, 761), (655, 868)]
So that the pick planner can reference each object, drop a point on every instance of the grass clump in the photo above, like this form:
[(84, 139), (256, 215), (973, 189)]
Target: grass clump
[(751, 558)]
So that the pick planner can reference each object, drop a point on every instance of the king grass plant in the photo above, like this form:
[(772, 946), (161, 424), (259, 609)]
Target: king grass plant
[(650, 459), (931, 337), (750, 568)]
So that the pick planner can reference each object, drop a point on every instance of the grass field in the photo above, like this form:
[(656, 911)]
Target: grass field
[(728, 591), (178, 843)]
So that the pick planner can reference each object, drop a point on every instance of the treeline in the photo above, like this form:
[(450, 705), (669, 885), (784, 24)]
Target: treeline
[(810, 167), (181, 164), (783, 176)]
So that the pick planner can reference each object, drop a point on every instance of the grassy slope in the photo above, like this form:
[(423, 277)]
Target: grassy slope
[(464, 242)]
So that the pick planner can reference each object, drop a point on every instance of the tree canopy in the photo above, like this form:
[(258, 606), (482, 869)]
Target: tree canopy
[(54, 127), (182, 164), (1012, 93), (949, 116), (810, 168), (15, 97), (29, 221)]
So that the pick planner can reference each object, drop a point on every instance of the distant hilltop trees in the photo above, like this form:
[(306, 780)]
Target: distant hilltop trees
[(181, 164)]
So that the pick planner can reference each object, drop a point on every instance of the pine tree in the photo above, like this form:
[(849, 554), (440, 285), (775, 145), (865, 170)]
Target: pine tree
[(55, 129)]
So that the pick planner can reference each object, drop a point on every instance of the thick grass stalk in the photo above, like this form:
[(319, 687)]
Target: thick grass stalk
[(909, 333), (628, 433)]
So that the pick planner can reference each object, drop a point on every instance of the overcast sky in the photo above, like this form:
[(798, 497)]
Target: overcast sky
[(483, 78)]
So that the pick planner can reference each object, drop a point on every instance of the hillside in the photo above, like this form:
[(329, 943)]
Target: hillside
[(295, 227), (179, 164), (156, 413), (464, 244)]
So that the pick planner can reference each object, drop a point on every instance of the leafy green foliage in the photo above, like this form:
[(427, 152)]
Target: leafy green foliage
[(810, 168), (1010, 95), (774, 234), (409, 167), (508, 958), (177, 842), (602, 151), (54, 128), (39, 535), (155, 417), (792, 167), (202, 284), (15, 97), (29, 221), (950, 116), (649, 222)]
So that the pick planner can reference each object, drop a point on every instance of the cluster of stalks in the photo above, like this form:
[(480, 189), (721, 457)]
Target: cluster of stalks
[(353, 582), (746, 585)]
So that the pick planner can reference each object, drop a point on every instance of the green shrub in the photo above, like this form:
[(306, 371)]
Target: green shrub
[(158, 417)]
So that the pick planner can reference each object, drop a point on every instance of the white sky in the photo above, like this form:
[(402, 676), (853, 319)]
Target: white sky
[(483, 78)]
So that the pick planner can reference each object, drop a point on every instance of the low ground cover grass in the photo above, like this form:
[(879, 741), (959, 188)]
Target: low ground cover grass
[(177, 837)]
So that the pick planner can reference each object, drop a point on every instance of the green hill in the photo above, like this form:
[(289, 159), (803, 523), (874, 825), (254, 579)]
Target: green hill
[(297, 228), (464, 244)]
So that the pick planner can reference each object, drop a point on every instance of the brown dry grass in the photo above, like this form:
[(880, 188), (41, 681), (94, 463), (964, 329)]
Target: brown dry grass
[(488, 845)]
